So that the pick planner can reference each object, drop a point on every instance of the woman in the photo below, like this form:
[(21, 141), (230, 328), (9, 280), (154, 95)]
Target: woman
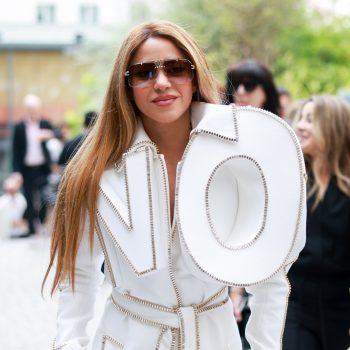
[(319, 307), (117, 204), (250, 83)]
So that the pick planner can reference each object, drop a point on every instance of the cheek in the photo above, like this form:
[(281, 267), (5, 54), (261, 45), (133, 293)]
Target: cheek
[(310, 146), (261, 98), (258, 98), (139, 96)]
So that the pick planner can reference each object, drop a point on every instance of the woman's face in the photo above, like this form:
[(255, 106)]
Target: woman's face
[(305, 130), (249, 93), (162, 99)]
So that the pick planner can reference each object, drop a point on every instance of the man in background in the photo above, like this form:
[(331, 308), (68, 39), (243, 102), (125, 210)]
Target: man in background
[(31, 159)]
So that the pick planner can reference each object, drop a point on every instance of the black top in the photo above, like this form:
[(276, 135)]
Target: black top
[(326, 255), (70, 148)]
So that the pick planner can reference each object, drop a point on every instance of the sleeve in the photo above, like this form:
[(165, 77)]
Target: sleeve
[(16, 142), (75, 309), (269, 301)]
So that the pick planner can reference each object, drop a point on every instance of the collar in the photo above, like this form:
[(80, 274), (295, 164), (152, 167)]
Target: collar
[(213, 119)]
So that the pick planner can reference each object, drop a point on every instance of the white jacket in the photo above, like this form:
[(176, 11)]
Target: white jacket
[(158, 301)]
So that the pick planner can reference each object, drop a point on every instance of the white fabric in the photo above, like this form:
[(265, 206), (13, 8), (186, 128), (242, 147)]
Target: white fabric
[(55, 147), (144, 260), (12, 208), (34, 155), (251, 190)]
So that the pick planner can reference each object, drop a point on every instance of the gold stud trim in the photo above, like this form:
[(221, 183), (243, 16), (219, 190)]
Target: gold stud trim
[(54, 347), (106, 227), (227, 138), (300, 206), (162, 331), (207, 206), (106, 338), (105, 253), (179, 331)]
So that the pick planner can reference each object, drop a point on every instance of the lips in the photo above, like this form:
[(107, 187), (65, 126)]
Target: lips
[(164, 100)]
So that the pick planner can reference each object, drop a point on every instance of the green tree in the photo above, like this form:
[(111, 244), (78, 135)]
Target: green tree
[(308, 51), (314, 57), (230, 30)]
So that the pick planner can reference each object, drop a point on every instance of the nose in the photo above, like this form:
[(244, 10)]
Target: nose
[(300, 125), (240, 89), (161, 81)]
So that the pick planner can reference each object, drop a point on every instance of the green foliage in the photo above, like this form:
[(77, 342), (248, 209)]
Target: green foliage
[(74, 121), (307, 51), (230, 30), (314, 58)]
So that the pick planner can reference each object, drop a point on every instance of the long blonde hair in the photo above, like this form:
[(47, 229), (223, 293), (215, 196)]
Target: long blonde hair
[(331, 123), (111, 135)]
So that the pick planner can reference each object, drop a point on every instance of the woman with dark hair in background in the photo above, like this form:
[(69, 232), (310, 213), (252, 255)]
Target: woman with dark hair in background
[(250, 83), (318, 315)]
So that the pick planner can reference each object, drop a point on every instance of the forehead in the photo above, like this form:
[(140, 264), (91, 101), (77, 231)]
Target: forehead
[(156, 49), (308, 108)]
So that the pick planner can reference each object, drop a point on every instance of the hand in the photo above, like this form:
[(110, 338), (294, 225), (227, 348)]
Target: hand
[(45, 134), (236, 296)]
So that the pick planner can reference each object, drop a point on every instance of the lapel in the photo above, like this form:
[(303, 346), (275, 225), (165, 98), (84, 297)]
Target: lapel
[(132, 206), (216, 120)]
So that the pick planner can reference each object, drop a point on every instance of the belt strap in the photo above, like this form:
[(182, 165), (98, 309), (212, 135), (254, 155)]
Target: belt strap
[(184, 318)]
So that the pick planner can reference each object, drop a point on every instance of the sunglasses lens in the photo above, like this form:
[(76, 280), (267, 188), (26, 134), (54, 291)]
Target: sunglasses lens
[(249, 85), (140, 74), (177, 71)]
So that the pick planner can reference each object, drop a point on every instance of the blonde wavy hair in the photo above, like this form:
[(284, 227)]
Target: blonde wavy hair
[(111, 135), (331, 123)]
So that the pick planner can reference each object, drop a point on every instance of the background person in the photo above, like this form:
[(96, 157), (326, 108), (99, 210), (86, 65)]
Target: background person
[(318, 315), (31, 158), (12, 207), (71, 146), (250, 83), (285, 100)]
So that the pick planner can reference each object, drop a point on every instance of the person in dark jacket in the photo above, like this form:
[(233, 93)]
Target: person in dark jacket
[(318, 315), (71, 146), (31, 159)]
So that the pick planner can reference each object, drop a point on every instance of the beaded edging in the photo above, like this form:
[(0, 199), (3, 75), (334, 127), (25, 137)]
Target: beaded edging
[(256, 236), (300, 208)]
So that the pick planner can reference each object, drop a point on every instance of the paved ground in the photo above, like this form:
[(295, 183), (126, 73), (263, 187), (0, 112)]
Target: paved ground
[(27, 321)]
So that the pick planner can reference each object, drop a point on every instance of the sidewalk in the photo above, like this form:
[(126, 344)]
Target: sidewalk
[(27, 321)]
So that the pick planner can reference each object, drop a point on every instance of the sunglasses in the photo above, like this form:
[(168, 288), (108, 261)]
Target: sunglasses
[(178, 71), (249, 84)]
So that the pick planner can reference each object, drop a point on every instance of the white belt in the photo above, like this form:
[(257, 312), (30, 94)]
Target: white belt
[(183, 318)]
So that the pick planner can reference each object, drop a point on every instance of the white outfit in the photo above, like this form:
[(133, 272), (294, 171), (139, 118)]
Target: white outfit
[(12, 208), (159, 299)]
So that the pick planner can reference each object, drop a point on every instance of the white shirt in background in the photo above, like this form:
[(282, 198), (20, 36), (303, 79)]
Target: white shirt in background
[(34, 155)]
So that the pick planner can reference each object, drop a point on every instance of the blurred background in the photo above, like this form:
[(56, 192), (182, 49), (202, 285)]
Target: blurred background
[(63, 51)]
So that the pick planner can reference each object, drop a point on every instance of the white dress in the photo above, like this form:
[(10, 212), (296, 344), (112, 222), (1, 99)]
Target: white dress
[(158, 299)]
